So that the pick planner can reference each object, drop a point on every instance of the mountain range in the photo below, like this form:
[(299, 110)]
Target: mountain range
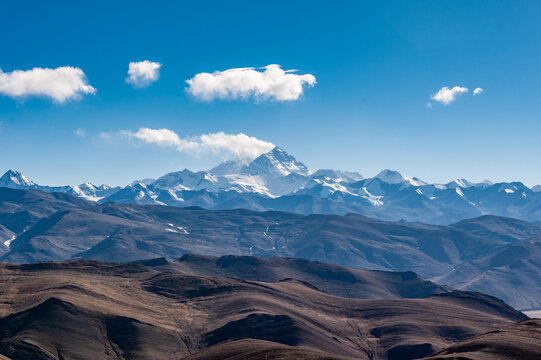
[(490, 254), (277, 181)]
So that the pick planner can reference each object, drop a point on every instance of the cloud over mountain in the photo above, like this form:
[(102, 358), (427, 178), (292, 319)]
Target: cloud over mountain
[(161, 137), (239, 146), (143, 73), (268, 83), (60, 84)]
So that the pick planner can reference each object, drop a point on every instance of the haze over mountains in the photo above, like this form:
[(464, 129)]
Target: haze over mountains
[(277, 181), (492, 254)]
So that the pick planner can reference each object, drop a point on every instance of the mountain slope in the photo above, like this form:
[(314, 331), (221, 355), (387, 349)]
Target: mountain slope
[(41, 226), (333, 279), (90, 310), (259, 350), (115, 232), (506, 229), (512, 274), (517, 341)]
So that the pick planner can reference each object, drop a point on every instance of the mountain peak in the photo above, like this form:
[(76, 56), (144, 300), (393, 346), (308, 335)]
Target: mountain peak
[(16, 180), (275, 162), (277, 151), (459, 183), (390, 176)]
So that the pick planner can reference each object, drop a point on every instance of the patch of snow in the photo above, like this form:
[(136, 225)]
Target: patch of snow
[(8, 242), (182, 229), (373, 199), (416, 182), (176, 229)]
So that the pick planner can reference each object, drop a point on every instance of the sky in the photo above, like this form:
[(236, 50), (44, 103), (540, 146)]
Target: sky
[(109, 92)]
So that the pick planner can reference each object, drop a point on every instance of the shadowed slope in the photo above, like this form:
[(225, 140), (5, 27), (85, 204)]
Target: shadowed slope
[(39, 333), (518, 341), (259, 350)]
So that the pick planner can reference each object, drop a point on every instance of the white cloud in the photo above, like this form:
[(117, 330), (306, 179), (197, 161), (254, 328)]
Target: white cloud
[(477, 91), (161, 137), (80, 132), (239, 146), (446, 96), (143, 73), (60, 84), (270, 82)]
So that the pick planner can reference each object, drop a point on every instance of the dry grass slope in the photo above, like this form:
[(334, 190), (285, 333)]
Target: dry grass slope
[(93, 310)]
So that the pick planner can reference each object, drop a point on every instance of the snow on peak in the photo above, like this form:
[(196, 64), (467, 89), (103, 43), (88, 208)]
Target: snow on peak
[(187, 180), (390, 177), (509, 188), (275, 163), (463, 183), (146, 181), (337, 175), (416, 182), (228, 167), (459, 183), (16, 180)]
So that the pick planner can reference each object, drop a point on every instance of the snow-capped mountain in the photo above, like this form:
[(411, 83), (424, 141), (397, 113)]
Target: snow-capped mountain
[(463, 183), (277, 181), (342, 176), (275, 163), (390, 177), (272, 174), (92, 192), (15, 180)]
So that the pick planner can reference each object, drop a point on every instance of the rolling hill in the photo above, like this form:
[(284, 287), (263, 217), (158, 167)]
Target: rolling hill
[(93, 310)]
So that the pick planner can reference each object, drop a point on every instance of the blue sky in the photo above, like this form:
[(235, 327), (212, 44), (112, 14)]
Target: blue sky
[(376, 64)]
